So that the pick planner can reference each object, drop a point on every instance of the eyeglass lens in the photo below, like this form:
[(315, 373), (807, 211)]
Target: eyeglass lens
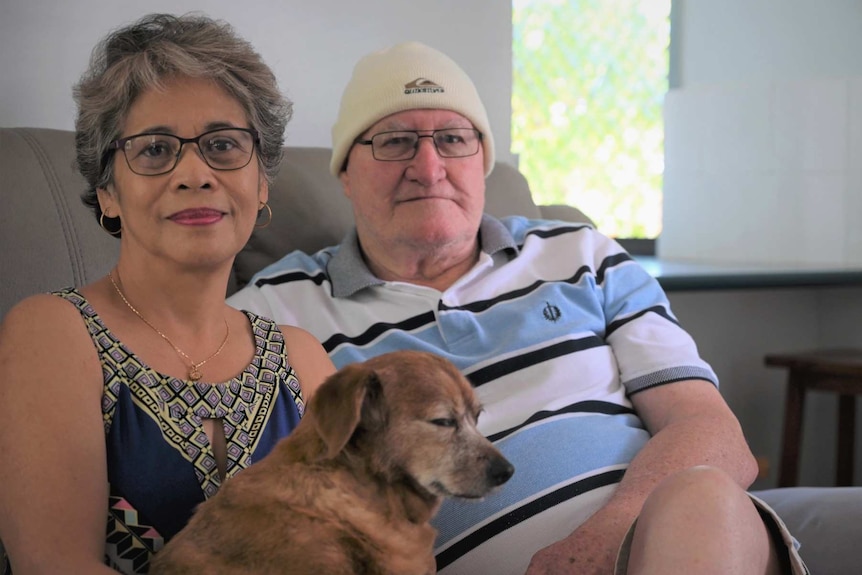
[(450, 143), (223, 149)]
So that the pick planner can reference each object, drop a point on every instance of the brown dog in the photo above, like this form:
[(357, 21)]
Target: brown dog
[(353, 488)]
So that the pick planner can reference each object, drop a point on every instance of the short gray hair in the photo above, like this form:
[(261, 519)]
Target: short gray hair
[(142, 56)]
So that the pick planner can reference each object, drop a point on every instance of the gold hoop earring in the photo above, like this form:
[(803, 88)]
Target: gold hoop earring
[(268, 220), (102, 224)]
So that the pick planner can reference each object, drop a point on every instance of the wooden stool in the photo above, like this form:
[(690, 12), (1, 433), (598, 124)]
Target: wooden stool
[(835, 370)]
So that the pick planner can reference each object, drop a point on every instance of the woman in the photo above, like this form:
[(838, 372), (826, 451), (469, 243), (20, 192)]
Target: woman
[(134, 397)]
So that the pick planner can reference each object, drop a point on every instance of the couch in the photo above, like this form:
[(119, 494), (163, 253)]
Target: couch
[(49, 240)]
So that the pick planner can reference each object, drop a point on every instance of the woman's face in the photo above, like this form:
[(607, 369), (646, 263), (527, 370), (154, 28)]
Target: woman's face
[(193, 215)]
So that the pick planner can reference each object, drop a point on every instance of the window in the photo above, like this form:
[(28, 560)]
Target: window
[(589, 79)]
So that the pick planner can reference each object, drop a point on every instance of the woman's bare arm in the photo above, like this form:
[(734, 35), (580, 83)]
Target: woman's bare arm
[(53, 500)]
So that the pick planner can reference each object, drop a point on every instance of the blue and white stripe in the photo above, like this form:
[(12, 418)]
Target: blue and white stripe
[(555, 326)]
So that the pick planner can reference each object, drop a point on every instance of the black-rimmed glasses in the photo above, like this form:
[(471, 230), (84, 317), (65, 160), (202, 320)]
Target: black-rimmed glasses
[(403, 144), (153, 154)]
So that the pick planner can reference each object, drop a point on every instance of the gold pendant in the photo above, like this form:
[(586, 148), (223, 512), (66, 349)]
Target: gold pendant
[(194, 373)]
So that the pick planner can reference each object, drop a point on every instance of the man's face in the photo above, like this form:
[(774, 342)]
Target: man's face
[(424, 203)]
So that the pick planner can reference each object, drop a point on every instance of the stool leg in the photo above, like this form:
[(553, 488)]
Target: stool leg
[(794, 404), (846, 435)]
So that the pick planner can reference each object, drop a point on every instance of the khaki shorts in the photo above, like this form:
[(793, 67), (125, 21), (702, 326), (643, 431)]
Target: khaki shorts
[(792, 563)]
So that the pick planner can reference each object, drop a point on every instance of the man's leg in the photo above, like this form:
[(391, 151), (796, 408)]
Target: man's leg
[(701, 521)]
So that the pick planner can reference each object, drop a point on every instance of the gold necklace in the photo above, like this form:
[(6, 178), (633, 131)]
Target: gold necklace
[(194, 368)]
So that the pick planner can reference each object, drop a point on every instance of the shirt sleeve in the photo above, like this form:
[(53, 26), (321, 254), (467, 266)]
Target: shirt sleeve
[(650, 345)]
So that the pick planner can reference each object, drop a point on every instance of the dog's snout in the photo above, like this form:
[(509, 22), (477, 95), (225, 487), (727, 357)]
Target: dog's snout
[(499, 471)]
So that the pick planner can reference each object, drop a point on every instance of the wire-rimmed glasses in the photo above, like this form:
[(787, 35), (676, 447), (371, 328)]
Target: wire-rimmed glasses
[(403, 144), (153, 153)]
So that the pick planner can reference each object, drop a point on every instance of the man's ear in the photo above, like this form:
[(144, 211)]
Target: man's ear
[(345, 183)]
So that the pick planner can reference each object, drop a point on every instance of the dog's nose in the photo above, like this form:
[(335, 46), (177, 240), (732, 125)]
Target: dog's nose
[(500, 471)]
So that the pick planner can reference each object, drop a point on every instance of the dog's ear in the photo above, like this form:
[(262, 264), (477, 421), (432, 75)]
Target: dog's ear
[(337, 406)]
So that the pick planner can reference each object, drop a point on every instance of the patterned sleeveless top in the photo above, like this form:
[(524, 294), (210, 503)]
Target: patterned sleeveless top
[(160, 462)]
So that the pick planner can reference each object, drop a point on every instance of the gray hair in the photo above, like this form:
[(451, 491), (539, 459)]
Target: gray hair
[(141, 56)]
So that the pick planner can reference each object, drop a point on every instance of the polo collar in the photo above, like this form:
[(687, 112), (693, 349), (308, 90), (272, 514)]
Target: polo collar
[(349, 274)]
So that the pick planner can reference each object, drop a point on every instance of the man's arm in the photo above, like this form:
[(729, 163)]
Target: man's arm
[(690, 425)]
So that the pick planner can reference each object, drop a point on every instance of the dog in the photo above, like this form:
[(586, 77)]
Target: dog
[(352, 490)]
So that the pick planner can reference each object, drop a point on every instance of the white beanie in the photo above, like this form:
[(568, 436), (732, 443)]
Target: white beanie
[(408, 76)]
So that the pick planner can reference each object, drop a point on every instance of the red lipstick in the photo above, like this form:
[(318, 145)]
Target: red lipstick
[(197, 216)]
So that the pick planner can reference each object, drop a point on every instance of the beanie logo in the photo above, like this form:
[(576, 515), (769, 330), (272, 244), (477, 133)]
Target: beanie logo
[(422, 86)]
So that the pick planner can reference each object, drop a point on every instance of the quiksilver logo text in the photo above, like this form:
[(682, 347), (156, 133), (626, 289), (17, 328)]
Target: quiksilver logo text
[(422, 86)]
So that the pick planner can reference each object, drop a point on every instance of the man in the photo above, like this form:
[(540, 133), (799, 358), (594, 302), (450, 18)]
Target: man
[(590, 386)]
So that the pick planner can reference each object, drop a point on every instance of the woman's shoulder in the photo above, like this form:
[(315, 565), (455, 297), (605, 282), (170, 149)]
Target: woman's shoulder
[(297, 341), (307, 357), (298, 335), (43, 321), (41, 306), (44, 341)]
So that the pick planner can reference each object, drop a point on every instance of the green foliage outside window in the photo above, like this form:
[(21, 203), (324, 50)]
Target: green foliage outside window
[(589, 79)]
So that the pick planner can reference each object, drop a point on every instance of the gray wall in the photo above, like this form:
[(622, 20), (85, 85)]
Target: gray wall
[(734, 329)]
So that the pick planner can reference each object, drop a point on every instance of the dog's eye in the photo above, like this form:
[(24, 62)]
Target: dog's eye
[(444, 422)]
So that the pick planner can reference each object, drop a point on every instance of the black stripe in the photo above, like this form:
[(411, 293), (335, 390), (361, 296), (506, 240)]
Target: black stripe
[(479, 306), (609, 262), (523, 513), (557, 231), (591, 406), (656, 309), (378, 329), (512, 364), (318, 278)]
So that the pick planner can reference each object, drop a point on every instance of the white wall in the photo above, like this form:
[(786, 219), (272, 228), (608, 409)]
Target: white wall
[(311, 45), (728, 41), (762, 164), (764, 134)]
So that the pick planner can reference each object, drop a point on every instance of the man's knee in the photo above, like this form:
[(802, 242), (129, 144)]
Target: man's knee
[(701, 489), (703, 509)]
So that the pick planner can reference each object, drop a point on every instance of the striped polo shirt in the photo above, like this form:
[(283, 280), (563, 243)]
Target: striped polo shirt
[(555, 326)]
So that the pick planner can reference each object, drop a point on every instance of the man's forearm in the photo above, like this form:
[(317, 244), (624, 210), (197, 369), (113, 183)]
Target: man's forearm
[(691, 425)]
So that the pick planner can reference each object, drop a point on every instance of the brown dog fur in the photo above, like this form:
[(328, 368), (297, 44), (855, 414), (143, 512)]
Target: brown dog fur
[(353, 488)]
